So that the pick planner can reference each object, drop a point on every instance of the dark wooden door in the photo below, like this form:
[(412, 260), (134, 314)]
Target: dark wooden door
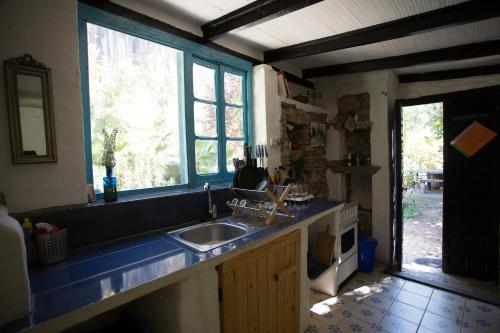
[(471, 197)]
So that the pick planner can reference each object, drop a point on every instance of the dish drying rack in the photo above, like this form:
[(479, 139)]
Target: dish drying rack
[(265, 204)]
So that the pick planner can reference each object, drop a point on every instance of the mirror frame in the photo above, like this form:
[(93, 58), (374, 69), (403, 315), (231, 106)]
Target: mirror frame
[(28, 66)]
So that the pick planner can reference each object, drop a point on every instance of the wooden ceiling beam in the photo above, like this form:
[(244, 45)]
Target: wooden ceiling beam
[(467, 12), (468, 51), (450, 74), (254, 13)]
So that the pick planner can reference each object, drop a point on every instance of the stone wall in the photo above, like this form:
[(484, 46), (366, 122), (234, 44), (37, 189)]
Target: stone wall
[(358, 141), (309, 160)]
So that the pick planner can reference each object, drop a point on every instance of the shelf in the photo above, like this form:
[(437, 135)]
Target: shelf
[(316, 269), (358, 126), (362, 169), (302, 106)]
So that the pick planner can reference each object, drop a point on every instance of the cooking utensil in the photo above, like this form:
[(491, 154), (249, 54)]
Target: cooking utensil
[(248, 177), (261, 155), (257, 154), (262, 185), (265, 153), (323, 251)]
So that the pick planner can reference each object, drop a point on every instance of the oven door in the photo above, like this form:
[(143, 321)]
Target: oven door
[(348, 239)]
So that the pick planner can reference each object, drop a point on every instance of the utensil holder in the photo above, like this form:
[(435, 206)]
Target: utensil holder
[(52, 247)]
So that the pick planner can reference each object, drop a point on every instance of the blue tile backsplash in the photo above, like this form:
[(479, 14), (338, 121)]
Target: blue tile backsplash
[(96, 223)]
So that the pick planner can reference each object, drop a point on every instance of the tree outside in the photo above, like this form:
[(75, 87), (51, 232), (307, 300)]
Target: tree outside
[(134, 87), (422, 130), (422, 151)]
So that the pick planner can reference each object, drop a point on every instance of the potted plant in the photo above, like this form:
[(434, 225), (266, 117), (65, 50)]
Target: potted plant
[(108, 161)]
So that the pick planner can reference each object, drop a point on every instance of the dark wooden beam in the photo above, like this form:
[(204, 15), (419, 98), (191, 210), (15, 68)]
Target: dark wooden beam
[(113, 8), (467, 12), (450, 74), (475, 50), (254, 13)]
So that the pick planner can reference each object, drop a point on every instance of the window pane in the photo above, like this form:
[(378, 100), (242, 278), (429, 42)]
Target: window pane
[(234, 149), (133, 87), (234, 122), (205, 120), (233, 89), (206, 156), (204, 82)]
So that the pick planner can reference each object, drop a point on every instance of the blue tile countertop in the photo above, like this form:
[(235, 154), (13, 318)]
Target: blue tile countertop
[(90, 276)]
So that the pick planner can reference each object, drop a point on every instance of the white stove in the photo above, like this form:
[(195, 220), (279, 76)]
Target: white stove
[(347, 248)]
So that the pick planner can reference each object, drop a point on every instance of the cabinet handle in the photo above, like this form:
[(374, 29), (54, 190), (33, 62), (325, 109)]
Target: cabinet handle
[(285, 271)]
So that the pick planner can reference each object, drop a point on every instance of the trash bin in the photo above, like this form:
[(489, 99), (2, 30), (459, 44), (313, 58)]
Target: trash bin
[(366, 253)]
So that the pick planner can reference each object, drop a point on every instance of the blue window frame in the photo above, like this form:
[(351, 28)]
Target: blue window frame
[(223, 66)]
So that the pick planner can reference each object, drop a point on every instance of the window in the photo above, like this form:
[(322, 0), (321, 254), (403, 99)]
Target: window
[(180, 108), (218, 106), (128, 92)]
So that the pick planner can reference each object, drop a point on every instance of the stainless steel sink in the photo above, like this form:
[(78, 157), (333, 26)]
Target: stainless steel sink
[(206, 236)]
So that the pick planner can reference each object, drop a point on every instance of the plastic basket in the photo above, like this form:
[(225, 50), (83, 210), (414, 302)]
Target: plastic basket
[(52, 247)]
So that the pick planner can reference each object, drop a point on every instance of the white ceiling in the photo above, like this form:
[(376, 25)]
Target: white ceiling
[(332, 17)]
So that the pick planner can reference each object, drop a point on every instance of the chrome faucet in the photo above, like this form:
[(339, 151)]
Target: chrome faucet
[(212, 208)]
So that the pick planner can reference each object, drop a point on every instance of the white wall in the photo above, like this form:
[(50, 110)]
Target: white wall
[(377, 85), (267, 113), (384, 90), (48, 31)]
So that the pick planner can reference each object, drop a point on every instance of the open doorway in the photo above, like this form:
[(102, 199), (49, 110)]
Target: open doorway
[(442, 231), (422, 187)]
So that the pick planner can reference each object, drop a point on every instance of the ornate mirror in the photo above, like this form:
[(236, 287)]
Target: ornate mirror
[(31, 115)]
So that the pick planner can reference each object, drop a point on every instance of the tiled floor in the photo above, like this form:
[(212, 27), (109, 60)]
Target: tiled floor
[(377, 302), (466, 286)]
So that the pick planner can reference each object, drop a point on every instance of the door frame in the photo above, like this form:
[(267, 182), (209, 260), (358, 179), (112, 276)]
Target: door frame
[(396, 176)]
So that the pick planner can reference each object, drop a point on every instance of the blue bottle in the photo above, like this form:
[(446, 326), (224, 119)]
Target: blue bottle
[(109, 185)]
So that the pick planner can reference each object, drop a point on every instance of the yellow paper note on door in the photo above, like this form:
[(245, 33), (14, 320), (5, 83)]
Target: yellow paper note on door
[(473, 138)]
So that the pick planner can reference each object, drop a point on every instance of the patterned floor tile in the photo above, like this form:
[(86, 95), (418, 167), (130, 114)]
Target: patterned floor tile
[(406, 311), (350, 286), (446, 309), (330, 310), (367, 313), (325, 314), (365, 290), (412, 299), (345, 301), (380, 302), (467, 329), (425, 330), (316, 326), (392, 280), (440, 324), (386, 290), (418, 288), (481, 321), (316, 297), (471, 305), (354, 325), (395, 324), (448, 297)]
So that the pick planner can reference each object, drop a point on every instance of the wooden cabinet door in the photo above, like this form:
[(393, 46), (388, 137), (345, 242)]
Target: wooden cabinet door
[(261, 288)]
